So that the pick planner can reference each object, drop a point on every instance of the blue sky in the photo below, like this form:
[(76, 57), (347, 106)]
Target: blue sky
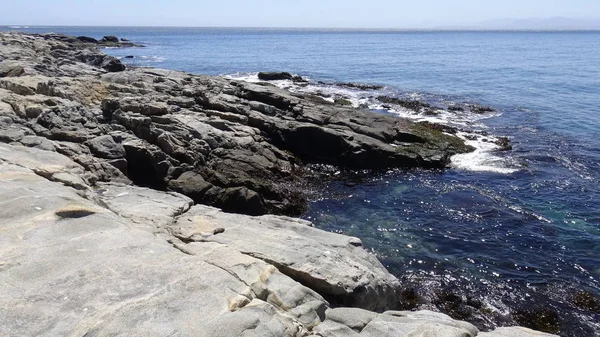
[(285, 13)]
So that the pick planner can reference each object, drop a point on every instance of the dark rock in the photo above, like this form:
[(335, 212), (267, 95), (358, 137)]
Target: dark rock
[(274, 76), (503, 143), (129, 57), (455, 108), (541, 319), (586, 301), (241, 200), (110, 38), (105, 147), (342, 101), (361, 86), (87, 39), (479, 109), (112, 65), (407, 104), (109, 106), (147, 165), (124, 39), (191, 184)]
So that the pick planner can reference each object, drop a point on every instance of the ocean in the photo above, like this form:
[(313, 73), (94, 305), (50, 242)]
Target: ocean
[(500, 237)]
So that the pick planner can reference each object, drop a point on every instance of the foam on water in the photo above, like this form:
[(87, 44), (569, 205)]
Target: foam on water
[(483, 159)]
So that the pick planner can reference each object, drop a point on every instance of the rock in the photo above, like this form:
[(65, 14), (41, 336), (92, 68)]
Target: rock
[(147, 208), (241, 200), (112, 65), (105, 147), (514, 332), (191, 184), (274, 76), (124, 39), (110, 38), (129, 57), (344, 274), (87, 39), (11, 70), (33, 111), (361, 86), (503, 143), (407, 104), (109, 106)]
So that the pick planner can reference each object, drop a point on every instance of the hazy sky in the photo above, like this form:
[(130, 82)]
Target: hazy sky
[(287, 13)]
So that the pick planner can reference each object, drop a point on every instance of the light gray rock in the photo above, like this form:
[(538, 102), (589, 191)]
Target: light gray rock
[(143, 206), (354, 318), (421, 323), (329, 263)]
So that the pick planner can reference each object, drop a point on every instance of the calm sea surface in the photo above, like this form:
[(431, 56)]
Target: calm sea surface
[(499, 238)]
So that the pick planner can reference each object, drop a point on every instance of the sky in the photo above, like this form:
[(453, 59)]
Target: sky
[(288, 13)]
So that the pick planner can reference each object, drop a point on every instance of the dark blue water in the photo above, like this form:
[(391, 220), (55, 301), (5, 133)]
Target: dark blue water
[(522, 241)]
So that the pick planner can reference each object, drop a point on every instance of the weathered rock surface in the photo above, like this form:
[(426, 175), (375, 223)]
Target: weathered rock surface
[(250, 143), (346, 274)]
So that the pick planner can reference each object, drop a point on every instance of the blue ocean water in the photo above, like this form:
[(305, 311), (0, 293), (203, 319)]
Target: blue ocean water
[(518, 231)]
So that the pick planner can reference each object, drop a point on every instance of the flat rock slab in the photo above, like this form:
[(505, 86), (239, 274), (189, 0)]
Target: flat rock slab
[(334, 265)]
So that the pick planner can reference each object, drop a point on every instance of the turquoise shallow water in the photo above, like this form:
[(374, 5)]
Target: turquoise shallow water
[(521, 235)]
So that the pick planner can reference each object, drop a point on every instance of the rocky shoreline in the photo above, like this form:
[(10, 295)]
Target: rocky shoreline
[(108, 180)]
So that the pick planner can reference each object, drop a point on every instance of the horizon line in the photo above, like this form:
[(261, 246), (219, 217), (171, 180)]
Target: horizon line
[(450, 29)]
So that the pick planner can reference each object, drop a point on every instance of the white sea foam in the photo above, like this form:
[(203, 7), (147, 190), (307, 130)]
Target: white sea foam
[(483, 159)]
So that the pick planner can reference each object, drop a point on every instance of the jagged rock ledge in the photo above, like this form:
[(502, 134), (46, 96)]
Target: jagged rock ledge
[(86, 253)]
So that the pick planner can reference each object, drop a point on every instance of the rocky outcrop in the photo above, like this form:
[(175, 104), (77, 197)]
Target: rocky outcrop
[(245, 147)]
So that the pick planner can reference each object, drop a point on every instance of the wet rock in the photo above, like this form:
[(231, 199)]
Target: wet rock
[(87, 39), (541, 319), (110, 38), (407, 104), (514, 332), (361, 86), (274, 76), (504, 144), (480, 109)]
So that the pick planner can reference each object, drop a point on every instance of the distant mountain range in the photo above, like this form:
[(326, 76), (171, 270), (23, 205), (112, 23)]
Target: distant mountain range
[(555, 23)]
